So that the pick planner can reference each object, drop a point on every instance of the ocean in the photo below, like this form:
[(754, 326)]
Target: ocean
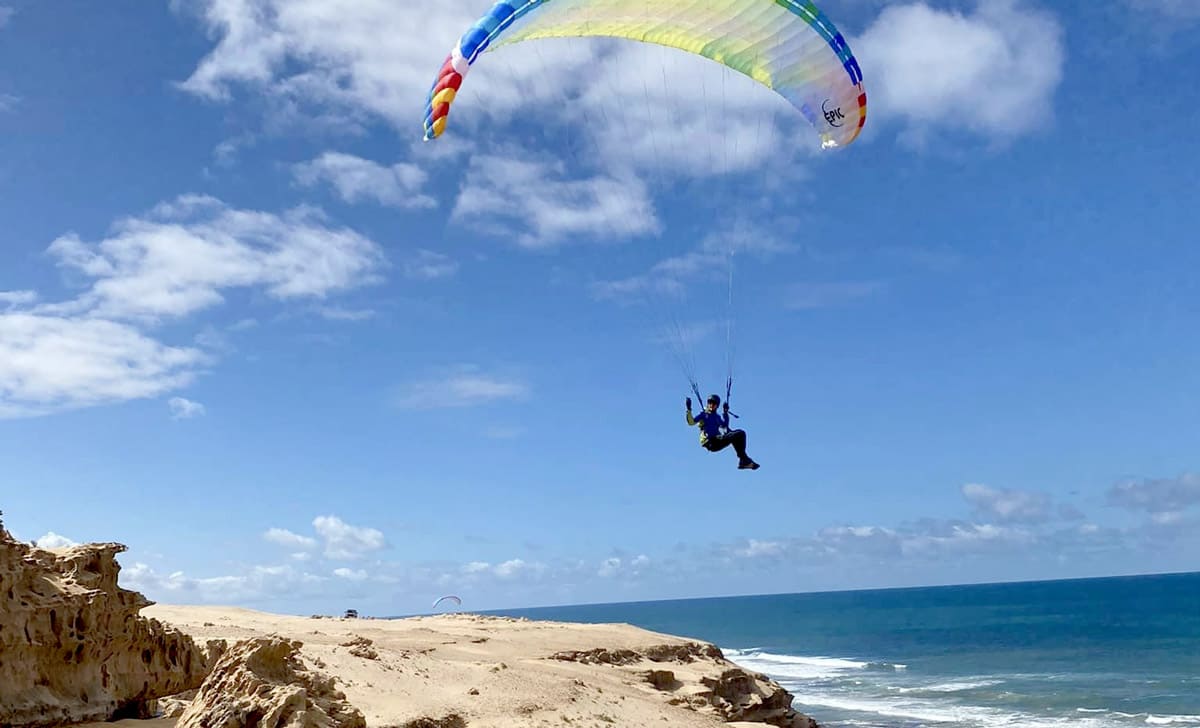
[(1090, 653)]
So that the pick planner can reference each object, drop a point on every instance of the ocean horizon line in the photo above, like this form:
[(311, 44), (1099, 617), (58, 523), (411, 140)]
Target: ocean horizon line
[(501, 611)]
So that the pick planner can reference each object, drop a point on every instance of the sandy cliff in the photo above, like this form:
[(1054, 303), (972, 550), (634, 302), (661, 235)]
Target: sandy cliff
[(73, 646)]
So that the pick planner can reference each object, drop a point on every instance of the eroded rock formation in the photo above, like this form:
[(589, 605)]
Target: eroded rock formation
[(736, 695), (739, 695), (263, 683), (361, 647), (688, 652), (73, 647)]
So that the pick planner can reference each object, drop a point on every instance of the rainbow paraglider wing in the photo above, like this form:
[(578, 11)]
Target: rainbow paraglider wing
[(789, 46)]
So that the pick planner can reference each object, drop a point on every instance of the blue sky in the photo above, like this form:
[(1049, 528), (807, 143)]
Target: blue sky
[(296, 359)]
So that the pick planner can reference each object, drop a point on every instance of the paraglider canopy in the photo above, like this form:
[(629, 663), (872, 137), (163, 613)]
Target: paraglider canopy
[(789, 46), (448, 597)]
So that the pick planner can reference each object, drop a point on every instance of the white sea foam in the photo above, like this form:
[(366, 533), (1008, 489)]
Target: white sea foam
[(865, 693), (945, 713), (951, 687), (792, 666), (1185, 720), (797, 667)]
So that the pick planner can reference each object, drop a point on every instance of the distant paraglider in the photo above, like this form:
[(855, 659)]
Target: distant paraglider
[(449, 598)]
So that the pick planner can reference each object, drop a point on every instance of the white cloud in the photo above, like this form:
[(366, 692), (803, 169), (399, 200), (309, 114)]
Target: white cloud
[(869, 540), (53, 363), (343, 541), (53, 540), (709, 260), (361, 180), (535, 201), (213, 339), (1166, 518), (1164, 499), (12, 299), (510, 568), (615, 566), (1008, 506), (184, 409), (350, 574), (460, 387), (428, 265), (506, 570), (339, 53), (755, 548), (939, 538), (255, 584), (993, 71), (609, 567), (179, 259), (286, 538), (926, 538), (170, 263)]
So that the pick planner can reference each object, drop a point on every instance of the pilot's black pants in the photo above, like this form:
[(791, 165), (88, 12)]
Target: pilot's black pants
[(737, 438)]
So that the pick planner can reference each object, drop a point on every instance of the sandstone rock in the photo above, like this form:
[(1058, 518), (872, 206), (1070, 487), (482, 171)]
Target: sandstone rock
[(262, 683), (742, 696), (736, 695), (173, 706), (73, 647), (688, 652), (361, 647), (213, 649), (453, 720), (599, 656), (662, 679)]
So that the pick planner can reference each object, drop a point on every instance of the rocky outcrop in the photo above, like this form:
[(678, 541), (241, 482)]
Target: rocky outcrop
[(688, 652), (263, 683), (361, 647), (599, 656), (452, 720), (73, 647), (738, 695), (662, 680), (735, 695), (174, 705)]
